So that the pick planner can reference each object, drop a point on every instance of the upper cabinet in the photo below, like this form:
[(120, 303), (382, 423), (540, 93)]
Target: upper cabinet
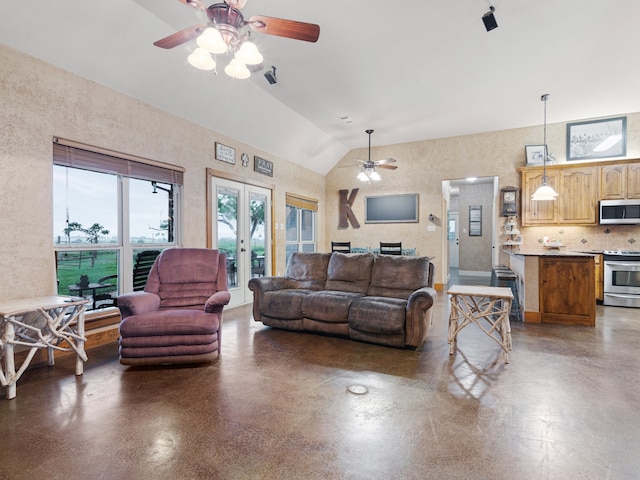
[(619, 182), (580, 189), (578, 199), (538, 213), (576, 202)]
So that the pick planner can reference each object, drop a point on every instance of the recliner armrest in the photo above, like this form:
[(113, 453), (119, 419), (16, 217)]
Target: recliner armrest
[(218, 299), (135, 303), (418, 315)]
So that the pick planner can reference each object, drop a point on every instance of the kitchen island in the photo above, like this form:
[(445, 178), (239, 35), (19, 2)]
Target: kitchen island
[(555, 286)]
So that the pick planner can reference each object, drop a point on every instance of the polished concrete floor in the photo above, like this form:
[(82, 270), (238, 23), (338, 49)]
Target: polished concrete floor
[(276, 405)]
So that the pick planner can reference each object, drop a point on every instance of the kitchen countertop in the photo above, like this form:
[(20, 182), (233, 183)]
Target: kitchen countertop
[(550, 252)]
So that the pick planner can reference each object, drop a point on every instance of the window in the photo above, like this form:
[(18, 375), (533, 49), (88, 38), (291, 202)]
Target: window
[(301, 225), (110, 215)]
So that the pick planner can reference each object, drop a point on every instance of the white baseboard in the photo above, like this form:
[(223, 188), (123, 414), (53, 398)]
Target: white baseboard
[(474, 273)]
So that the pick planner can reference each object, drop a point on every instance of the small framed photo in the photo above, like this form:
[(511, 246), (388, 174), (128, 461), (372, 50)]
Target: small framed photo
[(225, 154), (603, 138), (535, 154)]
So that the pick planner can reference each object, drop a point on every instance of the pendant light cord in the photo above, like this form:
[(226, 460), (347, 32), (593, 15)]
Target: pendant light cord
[(544, 158)]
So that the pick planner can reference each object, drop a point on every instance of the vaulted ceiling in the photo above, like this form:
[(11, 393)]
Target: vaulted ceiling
[(410, 70)]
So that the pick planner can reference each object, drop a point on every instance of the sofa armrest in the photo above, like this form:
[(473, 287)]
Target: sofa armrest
[(216, 301), (418, 315), (135, 303), (261, 285)]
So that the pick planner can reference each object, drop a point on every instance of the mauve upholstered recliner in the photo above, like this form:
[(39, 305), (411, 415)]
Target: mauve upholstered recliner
[(177, 318)]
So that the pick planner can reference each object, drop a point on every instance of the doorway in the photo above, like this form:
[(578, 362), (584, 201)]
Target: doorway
[(471, 229), (241, 228)]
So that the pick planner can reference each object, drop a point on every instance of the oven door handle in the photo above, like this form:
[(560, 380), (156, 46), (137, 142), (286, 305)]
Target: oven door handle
[(626, 265), (621, 295)]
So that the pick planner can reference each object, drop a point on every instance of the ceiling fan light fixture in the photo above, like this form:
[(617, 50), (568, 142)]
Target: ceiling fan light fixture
[(375, 176), (249, 54), (211, 40), (201, 59), (363, 176), (236, 69)]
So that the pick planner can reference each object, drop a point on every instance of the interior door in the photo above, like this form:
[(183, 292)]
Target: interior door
[(453, 236), (242, 229)]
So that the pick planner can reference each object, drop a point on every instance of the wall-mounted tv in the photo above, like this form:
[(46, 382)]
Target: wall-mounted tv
[(391, 209)]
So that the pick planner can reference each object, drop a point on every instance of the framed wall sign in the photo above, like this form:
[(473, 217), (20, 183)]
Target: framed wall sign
[(262, 166), (225, 154), (597, 139), (475, 220), (535, 154)]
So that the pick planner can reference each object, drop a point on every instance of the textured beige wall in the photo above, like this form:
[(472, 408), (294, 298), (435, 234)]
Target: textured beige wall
[(39, 101), (422, 166)]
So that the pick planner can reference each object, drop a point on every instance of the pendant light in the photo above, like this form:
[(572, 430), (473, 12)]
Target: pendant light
[(544, 192)]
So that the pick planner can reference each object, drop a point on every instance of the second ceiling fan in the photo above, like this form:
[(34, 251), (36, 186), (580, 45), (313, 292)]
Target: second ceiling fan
[(225, 33), (368, 167)]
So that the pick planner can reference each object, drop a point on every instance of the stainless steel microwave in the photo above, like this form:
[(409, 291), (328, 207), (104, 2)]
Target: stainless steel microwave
[(619, 212)]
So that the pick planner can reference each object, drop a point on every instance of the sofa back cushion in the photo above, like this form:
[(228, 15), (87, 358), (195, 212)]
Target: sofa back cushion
[(349, 272), (397, 277), (307, 270)]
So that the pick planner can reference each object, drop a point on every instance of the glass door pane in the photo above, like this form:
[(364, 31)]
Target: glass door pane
[(257, 208), (227, 228)]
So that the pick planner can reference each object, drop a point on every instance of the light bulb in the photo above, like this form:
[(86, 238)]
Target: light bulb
[(237, 69), (201, 59), (211, 40), (249, 54)]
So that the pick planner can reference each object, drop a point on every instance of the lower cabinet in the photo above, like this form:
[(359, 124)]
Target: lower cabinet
[(567, 290)]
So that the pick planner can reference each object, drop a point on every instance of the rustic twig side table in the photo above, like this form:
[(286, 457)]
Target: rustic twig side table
[(54, 323), (487, 307)]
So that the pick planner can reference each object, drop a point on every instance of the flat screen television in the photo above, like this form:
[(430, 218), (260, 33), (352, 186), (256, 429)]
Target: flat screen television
[(391, 208)]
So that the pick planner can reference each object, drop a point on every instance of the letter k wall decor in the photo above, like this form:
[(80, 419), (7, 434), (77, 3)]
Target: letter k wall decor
[(346, 214)]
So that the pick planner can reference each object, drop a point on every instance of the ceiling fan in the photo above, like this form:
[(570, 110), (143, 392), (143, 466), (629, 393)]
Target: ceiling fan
[(223, 34), (368, 167)]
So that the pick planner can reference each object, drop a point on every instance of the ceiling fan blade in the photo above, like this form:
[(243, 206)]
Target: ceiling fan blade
[(180, 37), (309, 32), (385, 160), (388, 167), (194, 3)]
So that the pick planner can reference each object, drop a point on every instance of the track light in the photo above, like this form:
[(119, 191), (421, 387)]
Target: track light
[(271, 76), (489, 20)]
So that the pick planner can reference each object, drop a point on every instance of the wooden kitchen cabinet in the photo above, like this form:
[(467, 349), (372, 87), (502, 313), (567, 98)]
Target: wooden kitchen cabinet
[(577, 200), (538, 212), (633, 180), (599, 274), (613, 182), (620, 181), (567, 290)]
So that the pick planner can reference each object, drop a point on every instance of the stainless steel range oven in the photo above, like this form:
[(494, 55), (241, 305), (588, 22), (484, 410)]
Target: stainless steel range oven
[(622, 278)]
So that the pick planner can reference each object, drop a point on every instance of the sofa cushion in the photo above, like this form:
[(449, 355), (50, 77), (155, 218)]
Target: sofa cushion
[(398, 277), (284, 304), (328, 305), (378, 315), (349, 272), (307, 270)]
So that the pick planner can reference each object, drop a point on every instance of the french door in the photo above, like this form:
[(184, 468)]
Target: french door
[(242, 230)]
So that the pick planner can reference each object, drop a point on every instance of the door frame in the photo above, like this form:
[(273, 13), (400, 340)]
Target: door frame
[(211, 195)]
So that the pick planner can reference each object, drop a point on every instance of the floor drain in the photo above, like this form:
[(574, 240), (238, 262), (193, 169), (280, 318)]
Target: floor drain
[(358, 389)]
